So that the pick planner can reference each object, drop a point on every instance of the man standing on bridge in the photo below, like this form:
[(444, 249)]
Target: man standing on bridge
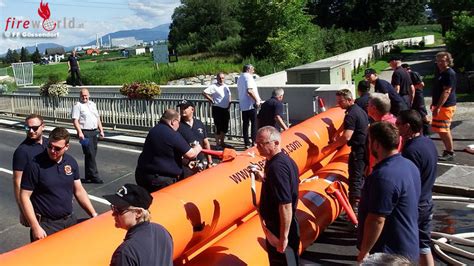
[(278, 199), (33, 145), (47, 186), (89, 128), (249, 101)]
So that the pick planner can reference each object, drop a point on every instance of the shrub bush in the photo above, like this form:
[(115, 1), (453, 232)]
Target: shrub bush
[(54, 90), (141, 90)]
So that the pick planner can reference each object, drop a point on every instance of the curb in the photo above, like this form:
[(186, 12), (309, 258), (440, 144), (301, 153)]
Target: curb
[(454, 190)]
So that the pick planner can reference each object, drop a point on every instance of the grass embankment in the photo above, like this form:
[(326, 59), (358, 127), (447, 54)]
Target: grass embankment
[(419, 30)]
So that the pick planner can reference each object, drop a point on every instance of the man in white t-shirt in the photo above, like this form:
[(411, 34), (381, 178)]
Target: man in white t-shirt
[(249, 101), (87, 122), (219, 95)]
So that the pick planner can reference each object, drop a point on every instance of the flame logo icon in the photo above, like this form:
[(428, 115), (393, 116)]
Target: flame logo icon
[(43, 12)]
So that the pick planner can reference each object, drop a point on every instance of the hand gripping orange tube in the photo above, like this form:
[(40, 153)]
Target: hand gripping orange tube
[(316, 210), (194, 210)]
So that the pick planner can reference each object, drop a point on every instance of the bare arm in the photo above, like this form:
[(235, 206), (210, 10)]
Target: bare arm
[(442, 99), (29, 212), (280, 122), (77, 126), (207, 145), (100, 127), (286, 212), (83, 199), (397, 88), (253, 96), (420, 85), (68, 65), (208, 97), (344, 138), (16, 186), (372, 229), (412, 94), (193, 152)]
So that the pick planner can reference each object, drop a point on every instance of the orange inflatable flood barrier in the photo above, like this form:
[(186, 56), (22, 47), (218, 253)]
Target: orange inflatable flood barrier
[(316, 210), (195, 210)]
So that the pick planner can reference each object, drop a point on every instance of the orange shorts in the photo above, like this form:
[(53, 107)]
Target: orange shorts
[(442, 122)]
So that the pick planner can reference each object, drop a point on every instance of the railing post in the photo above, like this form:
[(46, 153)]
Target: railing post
[(114, 117), (12, 105)]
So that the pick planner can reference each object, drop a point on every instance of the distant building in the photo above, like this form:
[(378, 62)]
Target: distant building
[(54, 54), (92, 52), (125, 42)]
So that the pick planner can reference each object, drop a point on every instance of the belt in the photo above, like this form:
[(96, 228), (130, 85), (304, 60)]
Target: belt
[(46, 219), (94, 129)]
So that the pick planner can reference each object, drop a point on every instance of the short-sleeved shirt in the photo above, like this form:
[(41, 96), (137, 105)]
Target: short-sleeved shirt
[(73, 62), (195, 133), (163, 151), (268, 111), (446, 78), (396, 101), (145, 244), (280, 187), (356, 119), (220, 94), (415, 77), (26, 151), (422, 152), (87, 114), (244, 83), (52, 184), (363, 101), (401, 77), (393, 190)]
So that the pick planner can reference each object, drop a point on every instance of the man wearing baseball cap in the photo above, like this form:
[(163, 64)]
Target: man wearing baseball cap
[(145, 243), (396, 101)]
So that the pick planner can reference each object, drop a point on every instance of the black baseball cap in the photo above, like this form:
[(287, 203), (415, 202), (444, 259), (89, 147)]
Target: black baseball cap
[(130, 195), (369, 71), (395, 58), (185, 104)]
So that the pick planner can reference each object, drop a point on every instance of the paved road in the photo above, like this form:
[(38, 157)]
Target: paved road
[(116, 166)]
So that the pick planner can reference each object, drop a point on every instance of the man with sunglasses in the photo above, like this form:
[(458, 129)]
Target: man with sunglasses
[(89, 128), (33, 145), (47, 186), (145, 243), (160, 163)]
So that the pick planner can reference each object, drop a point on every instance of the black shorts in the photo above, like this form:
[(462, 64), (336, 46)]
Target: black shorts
[(221, 119)]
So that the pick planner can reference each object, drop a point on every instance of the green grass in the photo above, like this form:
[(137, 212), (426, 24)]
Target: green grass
[(419, 30)]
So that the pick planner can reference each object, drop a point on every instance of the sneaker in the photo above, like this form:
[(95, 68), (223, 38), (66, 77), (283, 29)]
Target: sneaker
[(447, 156), (92, 181)]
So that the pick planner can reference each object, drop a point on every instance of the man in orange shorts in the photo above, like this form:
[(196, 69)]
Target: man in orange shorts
[(444, 103)]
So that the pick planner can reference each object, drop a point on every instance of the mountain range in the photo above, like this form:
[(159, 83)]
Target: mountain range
[(159, 32)]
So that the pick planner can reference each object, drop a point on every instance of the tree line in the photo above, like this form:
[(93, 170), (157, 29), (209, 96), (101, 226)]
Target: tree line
[(12, 56), (288, 33)]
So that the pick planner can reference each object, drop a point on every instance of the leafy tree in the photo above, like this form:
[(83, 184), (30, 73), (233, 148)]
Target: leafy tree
[(24, 55), (36, 56), (9, 57), (446, 10), (202, 23), (15, 56), (460, 41)]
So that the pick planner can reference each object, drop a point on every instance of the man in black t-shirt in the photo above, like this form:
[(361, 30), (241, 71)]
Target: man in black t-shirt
[(271, 111), (278, 199), (401, 81), (192, 130), (363, 91), (74, 68), (397, 103)]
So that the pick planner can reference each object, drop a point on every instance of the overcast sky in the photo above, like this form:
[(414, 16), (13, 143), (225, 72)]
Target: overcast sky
[(97, 16)]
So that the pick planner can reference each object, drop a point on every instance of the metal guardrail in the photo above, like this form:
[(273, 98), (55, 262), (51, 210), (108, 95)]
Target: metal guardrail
[(119, 112), (114, 94)]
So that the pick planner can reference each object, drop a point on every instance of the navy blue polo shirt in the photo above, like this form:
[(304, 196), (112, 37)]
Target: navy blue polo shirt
[(145, 244), (422, 152), (393, 190), (163, 151), (397, 103), (415, 77), (196, 132), (356, 119), (269, 109), (280, 187), (26, 151), (446, 78), (363, 101), (52, 184), (73, 62), (401, 77)]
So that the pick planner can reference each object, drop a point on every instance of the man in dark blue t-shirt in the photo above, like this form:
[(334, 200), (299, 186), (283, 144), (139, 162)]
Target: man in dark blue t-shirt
[(278, 199), (74, 68), (354, 133), (160, 163), (47, 186), (401, 81), (388, 212), (271, 111), (33, 145), (193, 130), (422, 152), (396, 102), (363, 92)]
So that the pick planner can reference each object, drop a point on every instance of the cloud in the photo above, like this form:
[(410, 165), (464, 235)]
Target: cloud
[(2, 3), (159, 12)]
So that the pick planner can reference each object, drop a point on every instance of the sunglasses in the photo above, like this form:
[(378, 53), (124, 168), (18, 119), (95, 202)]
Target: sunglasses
[(34, 128), (55, 148), (118, 211)]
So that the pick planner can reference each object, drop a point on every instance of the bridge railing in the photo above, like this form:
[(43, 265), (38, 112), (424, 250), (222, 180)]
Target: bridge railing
[(119, 113)]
